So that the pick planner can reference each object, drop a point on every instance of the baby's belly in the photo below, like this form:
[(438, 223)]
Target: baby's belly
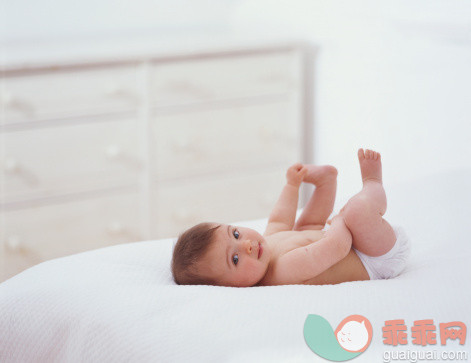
[(349, 269)]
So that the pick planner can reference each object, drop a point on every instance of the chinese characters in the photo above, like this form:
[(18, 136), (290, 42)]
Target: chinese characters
[(423, 332)]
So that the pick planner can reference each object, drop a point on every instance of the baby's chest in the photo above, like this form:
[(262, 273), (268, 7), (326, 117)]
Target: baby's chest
[(284, 242)]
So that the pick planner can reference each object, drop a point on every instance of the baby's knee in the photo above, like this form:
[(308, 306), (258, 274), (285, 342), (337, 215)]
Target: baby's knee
[(357, 210), (331, 171)]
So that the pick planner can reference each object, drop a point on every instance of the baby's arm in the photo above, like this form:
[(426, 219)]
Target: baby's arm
[(283, 215), (304, 263)]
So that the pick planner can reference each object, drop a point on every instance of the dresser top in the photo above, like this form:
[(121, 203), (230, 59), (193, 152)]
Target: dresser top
[(66, 53)]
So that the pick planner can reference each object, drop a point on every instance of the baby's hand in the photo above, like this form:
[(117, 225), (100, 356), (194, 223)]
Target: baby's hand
[(295, 174)]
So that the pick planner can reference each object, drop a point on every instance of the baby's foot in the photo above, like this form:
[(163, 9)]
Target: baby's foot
[(319, 174), (370, 165)]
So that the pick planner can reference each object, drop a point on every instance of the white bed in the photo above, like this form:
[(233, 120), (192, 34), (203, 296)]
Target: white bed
[(120, 303)]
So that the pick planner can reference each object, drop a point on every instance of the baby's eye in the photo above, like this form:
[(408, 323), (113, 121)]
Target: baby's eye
[(235, 259), (236, 234)]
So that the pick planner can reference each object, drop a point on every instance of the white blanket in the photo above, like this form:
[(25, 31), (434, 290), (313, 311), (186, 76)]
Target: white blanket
[(120, 304)]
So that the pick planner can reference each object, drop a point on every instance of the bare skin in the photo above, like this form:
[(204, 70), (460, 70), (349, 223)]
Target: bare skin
[(363, 213), (299, 252)]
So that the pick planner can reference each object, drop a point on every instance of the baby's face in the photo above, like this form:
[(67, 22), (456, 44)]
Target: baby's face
[(238, 256)]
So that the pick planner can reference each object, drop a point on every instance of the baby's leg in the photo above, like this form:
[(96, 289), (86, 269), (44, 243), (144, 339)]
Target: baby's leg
[(363, 213), (321, 204)]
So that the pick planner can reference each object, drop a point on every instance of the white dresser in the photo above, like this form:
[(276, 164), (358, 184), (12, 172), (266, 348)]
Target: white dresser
[(106, 151)]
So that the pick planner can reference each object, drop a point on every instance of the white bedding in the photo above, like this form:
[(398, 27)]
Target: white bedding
[(120, 303)]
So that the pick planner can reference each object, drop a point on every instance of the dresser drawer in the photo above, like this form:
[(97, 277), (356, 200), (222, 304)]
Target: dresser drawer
[(206, 79), (32, 235), (54, 161), (59, 94), (240, 196), (225, 139)]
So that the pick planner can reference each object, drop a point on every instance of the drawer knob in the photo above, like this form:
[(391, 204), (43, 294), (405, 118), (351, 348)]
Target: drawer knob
[(122, 233), (121, 93), (9, 101), (118, 91), (6, 98), (113, 151), (269, 136), (183, 216), (116, 228), (113, 90), (116, 153), (11, 165), (187, 88), (188, 147), (14, 243), (184, 145)]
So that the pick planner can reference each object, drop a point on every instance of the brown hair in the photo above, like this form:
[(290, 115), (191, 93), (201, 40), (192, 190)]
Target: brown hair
[(191, 246)]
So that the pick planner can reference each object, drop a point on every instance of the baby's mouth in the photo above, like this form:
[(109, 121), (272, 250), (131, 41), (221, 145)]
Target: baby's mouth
[(260, 250)]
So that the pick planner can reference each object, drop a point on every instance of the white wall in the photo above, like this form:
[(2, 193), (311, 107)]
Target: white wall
[(392, 75), (26, 20)]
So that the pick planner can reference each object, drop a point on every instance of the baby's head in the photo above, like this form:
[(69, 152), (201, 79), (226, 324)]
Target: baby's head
[(220, 254)]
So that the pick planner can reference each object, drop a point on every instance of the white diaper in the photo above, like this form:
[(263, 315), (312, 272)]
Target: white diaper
[(391, 263)]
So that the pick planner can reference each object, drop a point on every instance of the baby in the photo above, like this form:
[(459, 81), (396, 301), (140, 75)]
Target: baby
[(358, 245)]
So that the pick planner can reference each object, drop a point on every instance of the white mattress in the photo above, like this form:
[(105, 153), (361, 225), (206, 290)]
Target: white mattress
[(120, 303)]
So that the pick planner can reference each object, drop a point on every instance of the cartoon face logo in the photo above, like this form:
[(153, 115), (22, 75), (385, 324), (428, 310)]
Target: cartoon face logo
[(354, 333), (351, 338)]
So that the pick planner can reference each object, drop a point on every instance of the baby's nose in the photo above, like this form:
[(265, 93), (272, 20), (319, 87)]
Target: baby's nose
[(248, 246)]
